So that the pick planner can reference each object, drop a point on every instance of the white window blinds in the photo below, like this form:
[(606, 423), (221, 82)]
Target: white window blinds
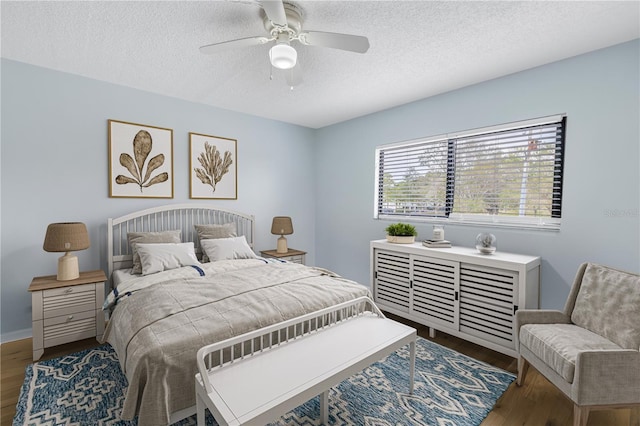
[(413, 179), (509, 174)]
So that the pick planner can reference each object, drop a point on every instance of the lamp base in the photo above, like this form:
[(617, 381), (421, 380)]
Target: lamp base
[(282, 245), (68, 267)]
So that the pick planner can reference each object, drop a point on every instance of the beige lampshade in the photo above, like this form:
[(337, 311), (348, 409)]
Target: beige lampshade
[(281, 225), (66, 237)]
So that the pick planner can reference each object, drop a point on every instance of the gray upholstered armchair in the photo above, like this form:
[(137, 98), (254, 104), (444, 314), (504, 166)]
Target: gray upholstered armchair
[(591, 351)]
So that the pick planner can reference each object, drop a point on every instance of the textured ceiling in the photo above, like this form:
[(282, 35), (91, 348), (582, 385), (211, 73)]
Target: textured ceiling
[(418, 48)]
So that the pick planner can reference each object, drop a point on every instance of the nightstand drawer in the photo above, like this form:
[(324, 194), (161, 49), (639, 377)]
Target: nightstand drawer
[(295, 259), (69, 300), (65, 291), (69, 328), (67, 319)]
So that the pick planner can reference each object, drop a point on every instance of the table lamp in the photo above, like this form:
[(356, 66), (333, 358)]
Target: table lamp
[(66, 237), (282, 226)]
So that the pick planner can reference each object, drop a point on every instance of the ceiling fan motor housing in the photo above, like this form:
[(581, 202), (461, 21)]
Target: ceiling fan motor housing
[(294, 22)]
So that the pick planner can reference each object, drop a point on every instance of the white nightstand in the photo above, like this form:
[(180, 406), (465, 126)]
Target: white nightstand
[(66, 311), (293, 255)]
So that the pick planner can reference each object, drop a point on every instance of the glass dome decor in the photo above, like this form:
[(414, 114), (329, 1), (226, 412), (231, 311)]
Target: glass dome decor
[(486, 243)]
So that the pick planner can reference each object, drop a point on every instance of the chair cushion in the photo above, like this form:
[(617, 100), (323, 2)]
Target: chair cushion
[(608, 303), (558, 345)]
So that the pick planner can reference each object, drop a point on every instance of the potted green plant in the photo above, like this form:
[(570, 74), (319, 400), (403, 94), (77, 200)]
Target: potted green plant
[(401, 233)]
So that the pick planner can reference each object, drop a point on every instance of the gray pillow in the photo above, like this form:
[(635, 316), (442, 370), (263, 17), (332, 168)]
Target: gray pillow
[(150, 238), (212, 232)]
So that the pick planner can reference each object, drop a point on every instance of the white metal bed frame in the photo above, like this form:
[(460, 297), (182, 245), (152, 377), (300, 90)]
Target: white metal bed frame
[(166, 218)]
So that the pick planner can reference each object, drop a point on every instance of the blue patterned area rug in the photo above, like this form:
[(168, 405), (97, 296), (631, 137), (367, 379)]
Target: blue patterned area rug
[(451, 389)]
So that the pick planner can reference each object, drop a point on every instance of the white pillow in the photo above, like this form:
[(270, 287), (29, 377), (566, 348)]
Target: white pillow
[(150, 238), (207, 232), (227, 248), (162, 257)]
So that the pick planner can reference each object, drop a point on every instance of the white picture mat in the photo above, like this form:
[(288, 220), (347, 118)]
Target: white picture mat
[(121, 135), (227, 187)]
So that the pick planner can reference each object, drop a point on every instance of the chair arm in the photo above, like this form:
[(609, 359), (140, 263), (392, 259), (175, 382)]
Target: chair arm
[(607, 377), (536, 316), (540, 316)]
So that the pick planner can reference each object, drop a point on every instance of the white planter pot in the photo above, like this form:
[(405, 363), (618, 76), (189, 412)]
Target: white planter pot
[(401, 239)]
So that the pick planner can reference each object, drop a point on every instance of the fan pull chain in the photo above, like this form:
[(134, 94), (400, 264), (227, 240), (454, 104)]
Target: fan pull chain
[(271, 76)]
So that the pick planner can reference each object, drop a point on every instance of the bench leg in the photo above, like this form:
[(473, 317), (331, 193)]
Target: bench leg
[(412, 365), (200, 407), (324, 407)]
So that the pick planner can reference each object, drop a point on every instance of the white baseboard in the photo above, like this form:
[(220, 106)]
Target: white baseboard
[(16, 335)]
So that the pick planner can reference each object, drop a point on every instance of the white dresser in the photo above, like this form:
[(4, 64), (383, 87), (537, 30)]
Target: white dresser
[(456, 290)]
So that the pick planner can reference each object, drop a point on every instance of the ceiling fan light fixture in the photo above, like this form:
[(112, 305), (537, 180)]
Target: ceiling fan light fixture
[(283, 56)]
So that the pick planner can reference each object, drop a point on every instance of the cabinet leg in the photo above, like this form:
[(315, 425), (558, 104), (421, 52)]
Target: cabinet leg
[(37, 341), (432, 332), (37, 353)]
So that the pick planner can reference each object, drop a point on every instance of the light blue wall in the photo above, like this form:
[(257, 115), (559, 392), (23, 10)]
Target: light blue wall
[(54, 168), (598, 91)]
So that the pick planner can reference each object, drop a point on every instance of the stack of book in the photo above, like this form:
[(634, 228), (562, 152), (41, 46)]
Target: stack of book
[(436, 243)]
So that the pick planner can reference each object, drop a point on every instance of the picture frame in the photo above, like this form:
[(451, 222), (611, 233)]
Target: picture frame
[(213, 165), (140, 160)]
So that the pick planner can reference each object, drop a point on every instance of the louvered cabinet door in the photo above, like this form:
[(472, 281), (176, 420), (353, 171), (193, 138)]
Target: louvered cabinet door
[(488, 301), (392, 280), (435, 290)]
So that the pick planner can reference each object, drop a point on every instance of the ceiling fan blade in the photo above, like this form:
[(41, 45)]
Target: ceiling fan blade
[(293, 76), (233, 44), (352, 43), (274, 9)]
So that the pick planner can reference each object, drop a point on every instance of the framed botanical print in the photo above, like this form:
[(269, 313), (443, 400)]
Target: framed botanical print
[(213, 163), (140, 160)]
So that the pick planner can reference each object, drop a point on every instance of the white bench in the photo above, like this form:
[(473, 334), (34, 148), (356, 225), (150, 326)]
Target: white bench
[(268, 372)]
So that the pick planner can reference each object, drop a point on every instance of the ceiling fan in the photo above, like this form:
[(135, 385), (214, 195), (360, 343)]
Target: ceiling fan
[(283, 22)]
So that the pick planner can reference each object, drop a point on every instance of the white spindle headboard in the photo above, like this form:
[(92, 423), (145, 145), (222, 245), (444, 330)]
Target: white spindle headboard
[(166, 218)]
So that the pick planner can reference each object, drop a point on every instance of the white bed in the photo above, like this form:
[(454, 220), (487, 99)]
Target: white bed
[(162, 319)]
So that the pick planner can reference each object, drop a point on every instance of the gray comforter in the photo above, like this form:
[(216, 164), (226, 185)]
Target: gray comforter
[(157, 330)]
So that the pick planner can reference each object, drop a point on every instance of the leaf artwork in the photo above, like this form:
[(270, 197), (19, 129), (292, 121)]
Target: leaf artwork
[(214, 167), (141, 149)]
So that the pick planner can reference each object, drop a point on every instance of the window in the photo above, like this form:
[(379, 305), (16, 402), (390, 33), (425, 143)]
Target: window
[(508, 175)]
